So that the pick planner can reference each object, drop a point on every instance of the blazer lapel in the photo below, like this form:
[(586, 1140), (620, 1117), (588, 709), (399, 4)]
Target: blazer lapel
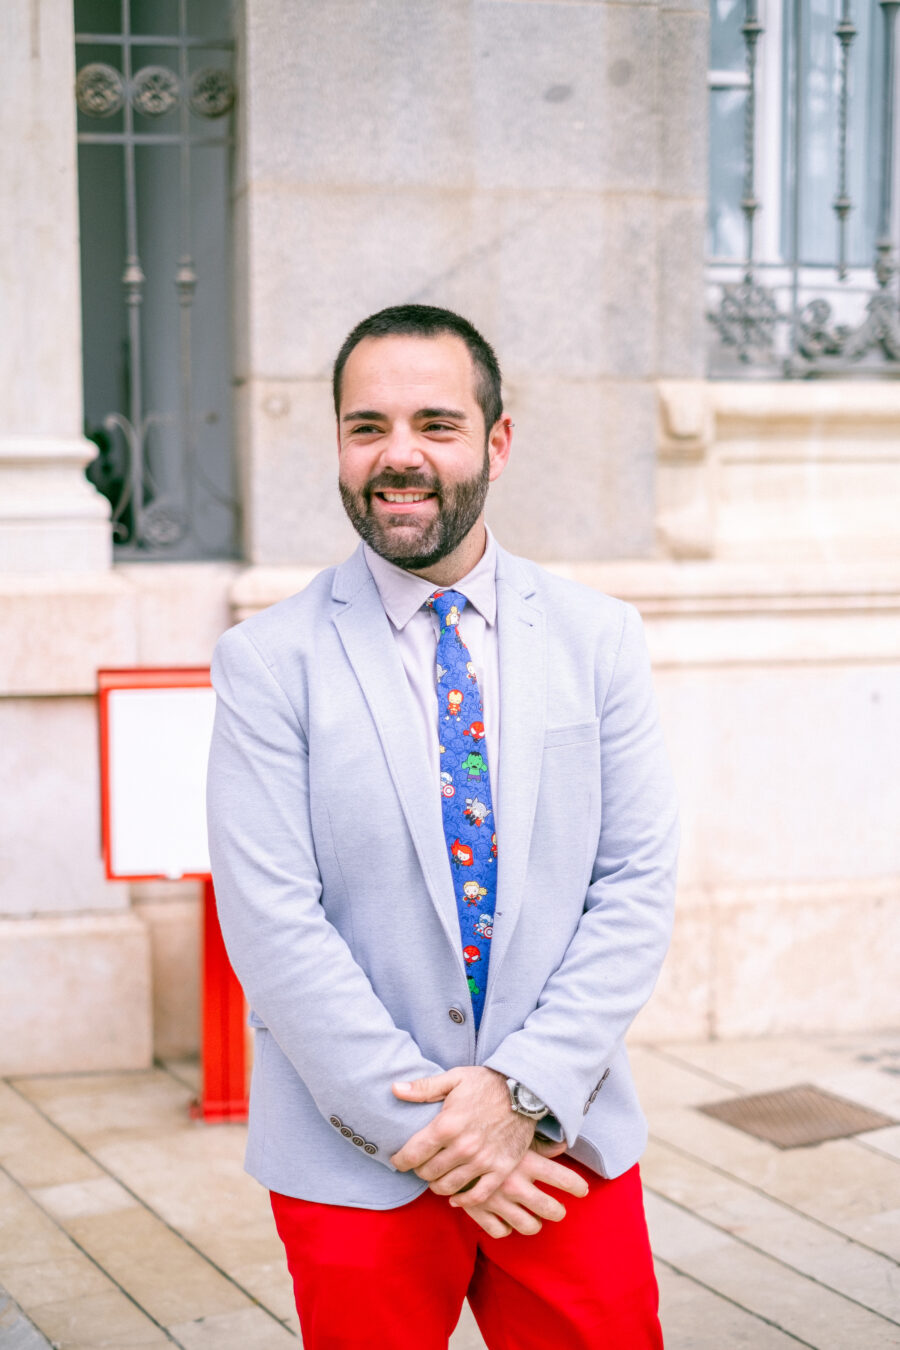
[(369, 644), (523, 715)]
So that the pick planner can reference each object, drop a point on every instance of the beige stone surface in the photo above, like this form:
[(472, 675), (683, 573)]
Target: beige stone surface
[(234, 1331), (756, 1247), (83, 1199), (797, 1305), (59, 629), (76, 994), (33, 1151), (119, 1109), (694, 1317), (170, 1281), (103, 1321), (179, 608), (50, 517), (774, 1229), (790, 471), (50, 859), (173, 925)]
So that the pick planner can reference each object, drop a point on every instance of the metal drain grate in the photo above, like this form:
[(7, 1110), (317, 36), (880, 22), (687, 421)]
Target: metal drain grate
[(796, 1116)]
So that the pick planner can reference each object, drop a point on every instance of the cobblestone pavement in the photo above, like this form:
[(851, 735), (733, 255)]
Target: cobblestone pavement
[(124, 1224)]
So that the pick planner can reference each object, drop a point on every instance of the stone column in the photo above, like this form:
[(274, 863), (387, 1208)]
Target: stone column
[(74, 959), (50, 516)]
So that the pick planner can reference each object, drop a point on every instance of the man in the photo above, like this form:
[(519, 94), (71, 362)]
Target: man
[(443, 838)]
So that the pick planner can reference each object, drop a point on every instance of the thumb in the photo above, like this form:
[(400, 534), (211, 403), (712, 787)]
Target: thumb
[(432, 1089)]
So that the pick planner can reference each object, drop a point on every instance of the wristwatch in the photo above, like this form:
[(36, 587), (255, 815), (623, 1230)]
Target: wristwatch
[(524, 1102)]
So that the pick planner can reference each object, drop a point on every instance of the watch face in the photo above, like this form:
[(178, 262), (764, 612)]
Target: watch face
[(528, 1100)]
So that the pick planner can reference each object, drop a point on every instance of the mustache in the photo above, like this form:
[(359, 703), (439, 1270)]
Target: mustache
[(395, 482)]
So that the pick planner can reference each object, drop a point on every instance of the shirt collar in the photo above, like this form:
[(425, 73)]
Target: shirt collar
[(403, 593)]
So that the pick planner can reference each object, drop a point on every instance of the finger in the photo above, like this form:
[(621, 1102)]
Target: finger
[(492, 1225), (432, 1089), (417, 1150), (515, 1215), (554, 1174), (548, 1149), (484, 1187), (451, 1181), (534, 1199)]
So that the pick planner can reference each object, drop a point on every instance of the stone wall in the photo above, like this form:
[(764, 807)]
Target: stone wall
[(539, 165)]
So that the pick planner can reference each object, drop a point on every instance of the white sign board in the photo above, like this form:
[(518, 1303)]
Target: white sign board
[(156, 744)]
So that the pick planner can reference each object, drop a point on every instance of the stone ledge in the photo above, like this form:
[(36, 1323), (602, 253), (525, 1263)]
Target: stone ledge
[(74, 994), (59, 629)]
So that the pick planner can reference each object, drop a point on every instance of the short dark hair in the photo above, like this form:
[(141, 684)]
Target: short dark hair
[(429, 321)]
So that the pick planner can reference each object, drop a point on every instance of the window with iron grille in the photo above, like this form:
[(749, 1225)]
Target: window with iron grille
[(802, 262), (155, 93)]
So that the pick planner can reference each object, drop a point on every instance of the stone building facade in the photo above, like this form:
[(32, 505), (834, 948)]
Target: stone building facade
[(541, 166)]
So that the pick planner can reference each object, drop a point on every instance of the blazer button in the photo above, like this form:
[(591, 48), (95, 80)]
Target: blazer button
[(456, 1016), (358, 1140), (346, 1132), (370, 1148), (336, 1121)]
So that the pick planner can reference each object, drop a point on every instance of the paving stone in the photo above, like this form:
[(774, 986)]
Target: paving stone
[(694, 1318), (33, 1151), (16, 1332), (234, 1331), (73, 1199), (169, 1280), (762, 1285), (773, 1228), (107, 1321)]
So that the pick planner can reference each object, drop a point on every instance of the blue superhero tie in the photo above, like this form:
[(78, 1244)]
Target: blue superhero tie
[(466, 794)]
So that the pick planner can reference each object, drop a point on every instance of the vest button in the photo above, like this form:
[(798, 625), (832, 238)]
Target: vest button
[(456, 1016)]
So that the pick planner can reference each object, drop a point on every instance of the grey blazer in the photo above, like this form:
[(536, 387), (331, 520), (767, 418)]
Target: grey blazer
[(334, 886)]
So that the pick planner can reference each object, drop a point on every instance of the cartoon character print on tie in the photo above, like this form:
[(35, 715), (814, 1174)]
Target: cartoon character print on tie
[(465, 792)]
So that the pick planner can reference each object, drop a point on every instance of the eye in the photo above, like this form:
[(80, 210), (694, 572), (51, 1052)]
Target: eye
[(438, 426), (365, 429)]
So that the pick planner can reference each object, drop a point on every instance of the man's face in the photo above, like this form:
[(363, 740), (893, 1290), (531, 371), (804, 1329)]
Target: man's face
[(414, 459)]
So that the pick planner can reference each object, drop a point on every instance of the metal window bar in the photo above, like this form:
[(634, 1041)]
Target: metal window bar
[(791, 316), (151, 519)]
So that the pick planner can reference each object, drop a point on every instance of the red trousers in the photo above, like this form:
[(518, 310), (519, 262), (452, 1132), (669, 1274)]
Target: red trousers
[(397, 1278)]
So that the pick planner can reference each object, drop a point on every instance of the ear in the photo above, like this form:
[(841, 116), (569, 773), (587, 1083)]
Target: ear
[(499, 446)]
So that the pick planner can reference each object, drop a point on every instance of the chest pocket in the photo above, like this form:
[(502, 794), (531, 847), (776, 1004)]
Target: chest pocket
[(576, 734)]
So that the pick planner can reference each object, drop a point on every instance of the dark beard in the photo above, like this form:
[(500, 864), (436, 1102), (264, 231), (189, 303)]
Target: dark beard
[(459, 506)]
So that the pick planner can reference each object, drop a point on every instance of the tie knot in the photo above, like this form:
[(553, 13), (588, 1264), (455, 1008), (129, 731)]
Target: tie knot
[(448, 605)]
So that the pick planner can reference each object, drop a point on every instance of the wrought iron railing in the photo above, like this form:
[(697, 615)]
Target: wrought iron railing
[(774, 310), (164, 462)]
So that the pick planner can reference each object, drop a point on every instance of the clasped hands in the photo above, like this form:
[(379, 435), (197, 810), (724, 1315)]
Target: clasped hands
[(483, 1155)]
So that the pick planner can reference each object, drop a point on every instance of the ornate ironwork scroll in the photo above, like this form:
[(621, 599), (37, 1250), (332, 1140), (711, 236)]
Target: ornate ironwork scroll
[(747, 318), (99, 90), (845, 33), (818, 336), (747, 314)]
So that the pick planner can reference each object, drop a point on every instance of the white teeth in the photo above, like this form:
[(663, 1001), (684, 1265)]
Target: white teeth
[(405, 496)]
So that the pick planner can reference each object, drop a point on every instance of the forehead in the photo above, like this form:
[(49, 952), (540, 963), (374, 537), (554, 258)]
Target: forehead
[(404, 370)]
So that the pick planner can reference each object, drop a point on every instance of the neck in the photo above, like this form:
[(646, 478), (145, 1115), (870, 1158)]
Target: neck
[(447, 571)]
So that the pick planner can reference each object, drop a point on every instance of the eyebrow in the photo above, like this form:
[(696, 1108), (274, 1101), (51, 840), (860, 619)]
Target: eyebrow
[(364, 414), (371, 415)]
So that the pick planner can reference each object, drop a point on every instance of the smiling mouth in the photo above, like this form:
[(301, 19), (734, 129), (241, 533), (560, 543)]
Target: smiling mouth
[(403, 498)]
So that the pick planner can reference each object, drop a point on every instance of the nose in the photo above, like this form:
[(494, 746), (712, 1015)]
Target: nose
[(401, 450)]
